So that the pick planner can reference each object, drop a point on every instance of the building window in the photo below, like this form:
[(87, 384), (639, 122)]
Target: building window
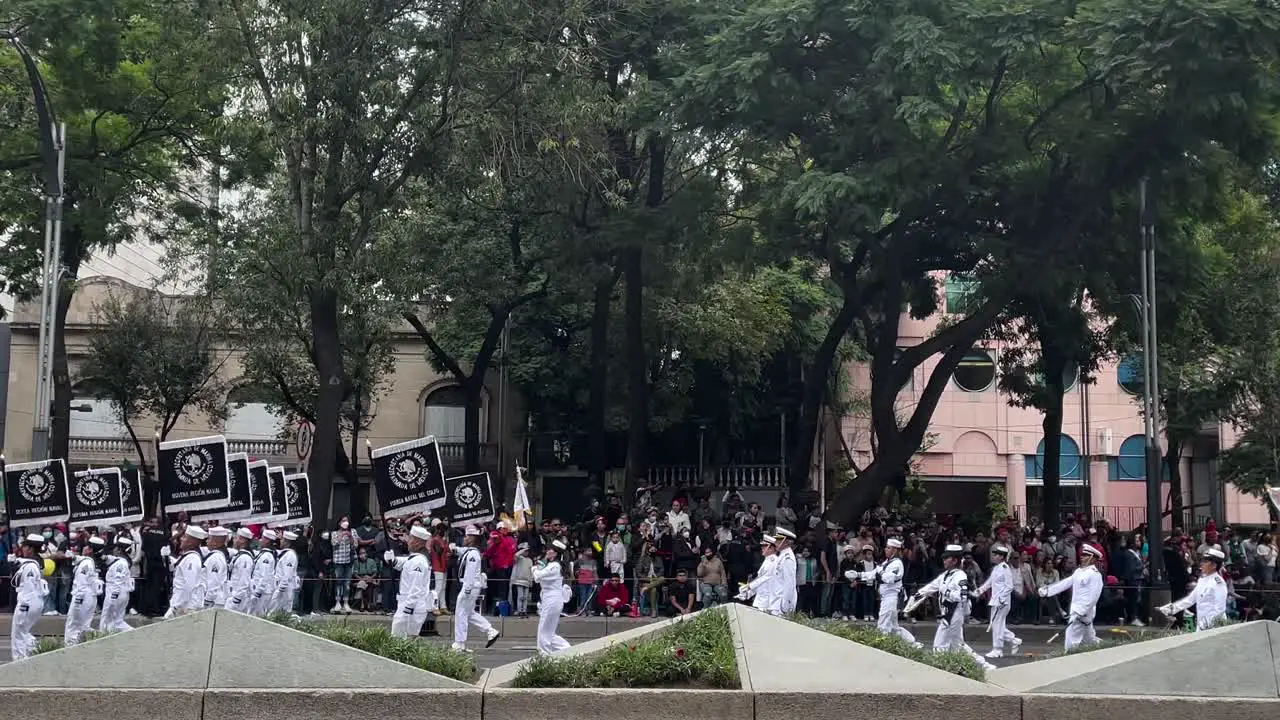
[(1131, 464), (1070, 375), (1068, 461), (93, 417), (1129, 373), (444, 415), (250, 416), (910, 382), (975, 372), (961, 293)]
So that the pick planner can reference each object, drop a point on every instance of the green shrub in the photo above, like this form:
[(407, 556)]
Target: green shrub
[(696, 652), (956, 662), (47, 643), (378, 640)]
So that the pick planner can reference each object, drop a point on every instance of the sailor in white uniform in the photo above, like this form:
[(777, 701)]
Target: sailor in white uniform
[(287, 581), (1000, 583), (240, 582), (86, 586), (551, 599), (472, 580), (786, 583), (888, 576), (952, 589), (415, 600), (216, 562), (1209, 596), (28, 580), (763, 588), (1086, 587), (263, 587), (188, 574), (116, 587)]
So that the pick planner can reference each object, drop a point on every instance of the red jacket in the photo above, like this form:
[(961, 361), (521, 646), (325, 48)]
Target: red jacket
[(501, 553), (609, 590)]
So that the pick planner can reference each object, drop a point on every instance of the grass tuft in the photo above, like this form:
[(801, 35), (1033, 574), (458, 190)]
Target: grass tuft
[(956, 662), (378, 640)]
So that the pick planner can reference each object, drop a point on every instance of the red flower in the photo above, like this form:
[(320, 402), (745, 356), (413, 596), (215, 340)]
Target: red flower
[(679, 653)]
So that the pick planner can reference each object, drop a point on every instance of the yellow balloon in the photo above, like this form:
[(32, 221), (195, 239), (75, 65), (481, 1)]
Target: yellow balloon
[(48, 567)]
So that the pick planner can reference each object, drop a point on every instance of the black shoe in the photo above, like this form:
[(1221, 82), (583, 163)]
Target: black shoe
[(489, 643)]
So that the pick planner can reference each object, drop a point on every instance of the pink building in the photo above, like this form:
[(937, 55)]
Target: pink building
[(979, 439)]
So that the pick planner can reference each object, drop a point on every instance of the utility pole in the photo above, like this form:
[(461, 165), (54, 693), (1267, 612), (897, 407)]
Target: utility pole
[(1147, 213)]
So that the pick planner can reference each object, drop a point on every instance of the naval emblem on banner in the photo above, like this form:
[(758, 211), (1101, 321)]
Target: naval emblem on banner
[(470, 500), (193, 474), (238, 504), (259, 494), (36, 492), (95, 498), (409, 477), (279, 496)]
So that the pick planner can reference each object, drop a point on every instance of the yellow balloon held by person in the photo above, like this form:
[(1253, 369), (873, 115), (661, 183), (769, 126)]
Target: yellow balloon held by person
[(49, 567)]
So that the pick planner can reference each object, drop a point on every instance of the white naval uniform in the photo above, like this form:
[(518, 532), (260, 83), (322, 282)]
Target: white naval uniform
[(551, 601), (786, 582), (85, 587), (31, 586), (952, 589), (764, 587), (1209, 597), (1000, 583), (468, 596), (188, 585), (1086, 587), (889, 576), (287, 581), (240, 584), (414, 601), (215, 578), (115, 599), (263, 585)]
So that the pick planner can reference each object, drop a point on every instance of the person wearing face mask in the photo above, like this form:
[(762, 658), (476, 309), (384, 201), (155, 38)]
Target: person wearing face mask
[(344, 543)]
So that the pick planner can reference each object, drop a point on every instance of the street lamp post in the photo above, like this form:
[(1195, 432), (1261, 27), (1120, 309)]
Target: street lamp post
[(1151, 392)]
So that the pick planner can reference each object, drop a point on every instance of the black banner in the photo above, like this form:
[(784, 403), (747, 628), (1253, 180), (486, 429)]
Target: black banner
[(131, 497), (409, 477), (193, 474), (36, 493), (297, 490), (279, 496), (259, 494), (95, 498), (470, 500), (237, 507)]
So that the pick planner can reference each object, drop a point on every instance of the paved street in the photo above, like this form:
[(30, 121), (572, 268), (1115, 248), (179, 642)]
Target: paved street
[(518, 641)]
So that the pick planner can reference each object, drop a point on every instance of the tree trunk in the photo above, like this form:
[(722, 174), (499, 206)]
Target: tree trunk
[(359, 504), (60, 416), (1172, 457), (1054, 366), (474, 389), (812, 395), (637, 369), (328, 359), (597, 404)]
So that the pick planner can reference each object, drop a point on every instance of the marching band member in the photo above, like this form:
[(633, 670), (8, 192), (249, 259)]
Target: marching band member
[(888, 576), (239, 585), (472, 580), (28, 580), (1209, 596), (551, 599), (264, 576), (785, 585), (1000, 583), (85, 588), (1086, 587), (117, 586), (216, 561), (952, 589), (188, 574), (415, 601), (764, 587), (287, 581)]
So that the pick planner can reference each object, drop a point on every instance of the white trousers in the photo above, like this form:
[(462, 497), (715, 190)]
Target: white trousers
[(282, 601), (548, 622), (238, 601), (79, 618), (438, 586), (21, 640), (887, 620), (1000, 633), (113, 609), (260, 603), (408, 625), (950, 636), (1080, 631), (468, 617)]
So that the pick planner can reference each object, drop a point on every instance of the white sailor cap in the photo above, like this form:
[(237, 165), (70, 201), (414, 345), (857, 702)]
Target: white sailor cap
[(784, 533), (35, 539), (559, 545), (1000, 549), (219, 532), (1215, 554), (868, 548), (196, 532), (290, 535), (953, 550), (419, 532), (1088, 549), (124, 541), (436, 522), (97, 541), (245, 533), (768, 539), (472, 530), (269, 534), (893, 543)]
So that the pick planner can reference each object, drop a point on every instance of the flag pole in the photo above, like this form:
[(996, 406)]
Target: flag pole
[(155, 469)]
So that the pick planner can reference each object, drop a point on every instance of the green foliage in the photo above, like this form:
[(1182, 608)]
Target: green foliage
[(378, 640), (956, 662), (49, 643), (695, 652)]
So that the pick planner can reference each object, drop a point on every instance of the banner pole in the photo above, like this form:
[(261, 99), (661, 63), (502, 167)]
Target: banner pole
[(155, 468)]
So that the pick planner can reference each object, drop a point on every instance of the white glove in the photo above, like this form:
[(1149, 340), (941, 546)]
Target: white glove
[(1044, 592), (851, 575), (389, 556), (11, 558), (164, 551), (741, 596), (1165, 610)]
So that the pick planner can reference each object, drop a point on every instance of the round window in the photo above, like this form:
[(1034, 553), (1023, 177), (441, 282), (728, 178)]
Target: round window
[(975, 372), (1129, 374), (1070, 374)]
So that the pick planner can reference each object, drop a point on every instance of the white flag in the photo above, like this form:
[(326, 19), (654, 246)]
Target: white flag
[(521, 506)]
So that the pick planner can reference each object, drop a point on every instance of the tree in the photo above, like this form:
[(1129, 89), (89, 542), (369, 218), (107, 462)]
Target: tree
[(157, 358)]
